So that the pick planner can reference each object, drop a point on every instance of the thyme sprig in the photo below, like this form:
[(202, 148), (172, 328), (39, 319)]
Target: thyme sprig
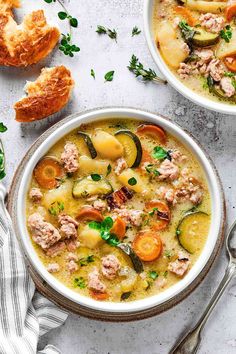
[(111, 33), (136, 67)]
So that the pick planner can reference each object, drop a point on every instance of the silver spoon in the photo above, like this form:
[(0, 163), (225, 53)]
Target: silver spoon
[(189, 344)]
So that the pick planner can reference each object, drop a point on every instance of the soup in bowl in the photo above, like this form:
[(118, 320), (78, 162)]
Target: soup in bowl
[(116, 209), (194, 45)]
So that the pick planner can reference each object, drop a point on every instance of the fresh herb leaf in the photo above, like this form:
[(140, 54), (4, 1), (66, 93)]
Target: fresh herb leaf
[(151, 213), (148, 168), (226, 33), (62, 15), (92, 73), (153, 274), (67, 47), (109, 168), (165, 274), (80, 283), (187, 32), (95, 177), (113, 240), (86, 260), (109, 75), (159, 153), (178, 232), (103, 30), (49, 1), (146, 74), (229, 74), (73, 22), (132, 181), (95, 225), (3, 128), (107, 223), (135, 31), (168, 254), (125, 296)]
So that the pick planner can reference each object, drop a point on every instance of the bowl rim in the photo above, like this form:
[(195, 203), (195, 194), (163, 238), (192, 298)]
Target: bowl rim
[(166, 73), (17, 208)]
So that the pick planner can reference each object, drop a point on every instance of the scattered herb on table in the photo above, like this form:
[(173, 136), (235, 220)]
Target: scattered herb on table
[(109, 75), (92, 73), (153, 274), (56, 208), (103, 30), (146, 74), (80, 283), (86, 260), (95, 177), (3, 128), (104, 228), (64, 15), (226, 33), (160, 154), (135, 31), (132, 181)]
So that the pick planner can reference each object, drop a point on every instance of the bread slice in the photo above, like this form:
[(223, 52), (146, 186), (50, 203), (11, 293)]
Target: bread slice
[(27, 43), (8, 5), (47, 95)]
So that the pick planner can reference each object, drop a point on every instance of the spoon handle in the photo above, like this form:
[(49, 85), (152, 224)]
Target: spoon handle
[(190, 343)]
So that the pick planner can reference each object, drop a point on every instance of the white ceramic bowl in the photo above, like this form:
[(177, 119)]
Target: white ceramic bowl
[(18, 203), (164, 71)]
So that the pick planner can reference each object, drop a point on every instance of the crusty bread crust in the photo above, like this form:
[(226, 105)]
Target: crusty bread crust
[(8, 5), (27, 43), (47, 95)]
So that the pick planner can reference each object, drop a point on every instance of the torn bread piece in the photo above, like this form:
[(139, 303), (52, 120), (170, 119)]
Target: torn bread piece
[(8, 5), (47, 95), (27, 43)]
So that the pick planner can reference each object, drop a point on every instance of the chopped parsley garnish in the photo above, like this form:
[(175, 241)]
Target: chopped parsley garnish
[(92, 73), (104, 228), (152, 170), (86, 260), (109, 168), (132, 181), (109, 75), (160, 154), (95, 177), (80, 283), (165, 274), (226, 33), (153, 274), (135, 31), (56, 208), (178, 232), (151, 213), (146, 74), (168, 254), (229, 74), (103, 30), (187, 31)]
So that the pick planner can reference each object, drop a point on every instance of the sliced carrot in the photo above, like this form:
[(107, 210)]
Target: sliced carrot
[(119, 228), (98, 296), (47, 172), (186, 14), (161, 215), (230, 11), (89, 214), (230, 62), (154, 131), (147, 245)]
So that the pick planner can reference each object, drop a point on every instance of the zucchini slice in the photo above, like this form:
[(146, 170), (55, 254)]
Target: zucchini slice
[(86, 187), (192, 230), (203, 38), (89, 144), (132, 147)]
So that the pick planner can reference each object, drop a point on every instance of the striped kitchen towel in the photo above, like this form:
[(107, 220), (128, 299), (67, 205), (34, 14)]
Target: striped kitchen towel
[(25, 315)]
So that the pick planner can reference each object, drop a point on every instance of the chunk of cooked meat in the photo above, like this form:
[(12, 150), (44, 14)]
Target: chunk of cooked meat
[(68, 226), (110, 266), (212, 22), (177, 156), (27, 43), (132, 217), (121, 165), (35, 195), (100, 205), (216, 69), (72, 266), (168, 170), (43, 233), (227, 86), (180, 265), (56, 249), (167, 194), (72, 257), (94, 281), (69, 158), (72, 244), (47, 95), (53, 267), (160, 282)]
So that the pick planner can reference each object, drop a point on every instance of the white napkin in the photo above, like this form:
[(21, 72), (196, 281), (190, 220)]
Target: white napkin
[(25, 315)]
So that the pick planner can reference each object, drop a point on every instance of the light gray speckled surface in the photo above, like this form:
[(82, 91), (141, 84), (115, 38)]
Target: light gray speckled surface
[(216, 132)]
